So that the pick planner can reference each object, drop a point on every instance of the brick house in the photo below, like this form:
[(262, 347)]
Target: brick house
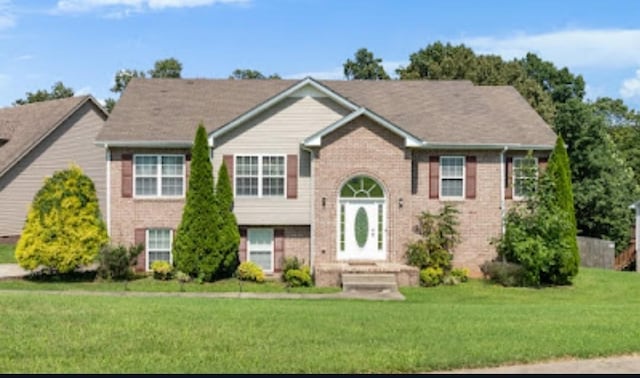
[(333, 172), (38, 139)]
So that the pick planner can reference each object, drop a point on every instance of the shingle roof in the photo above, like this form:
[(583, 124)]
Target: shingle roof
[(441, 112), (25, 126)]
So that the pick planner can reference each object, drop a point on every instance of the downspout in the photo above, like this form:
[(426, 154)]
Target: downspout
[(108, 194), (312, 203), (502, 192)]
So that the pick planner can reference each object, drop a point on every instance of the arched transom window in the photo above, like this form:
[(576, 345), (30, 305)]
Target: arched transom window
[(361, 187)]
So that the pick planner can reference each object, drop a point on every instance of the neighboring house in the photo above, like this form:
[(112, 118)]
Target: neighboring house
[(333, 172), (38, 139)]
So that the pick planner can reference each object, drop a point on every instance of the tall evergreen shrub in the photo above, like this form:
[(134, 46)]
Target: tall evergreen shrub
[(195, 249), (64, 228), (229, 239)]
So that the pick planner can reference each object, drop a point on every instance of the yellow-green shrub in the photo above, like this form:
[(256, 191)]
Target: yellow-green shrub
[(64, 228), (161, 270), (431, 276), (250, 271)]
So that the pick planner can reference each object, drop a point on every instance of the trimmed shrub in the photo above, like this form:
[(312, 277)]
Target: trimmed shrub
[(64, 228), (250, 271), (433, 252), (295, 273), (504, 273), (161, 270), (117, 262), (229, 238), (462, 274), (431, 276), (195, 248), (298, 277)]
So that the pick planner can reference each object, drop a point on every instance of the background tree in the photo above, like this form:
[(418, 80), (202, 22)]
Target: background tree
[(166, 68), (64, 228), (229, 240), (603, 185), (247, 74), (195, 249), (58, 90), (364, 67)]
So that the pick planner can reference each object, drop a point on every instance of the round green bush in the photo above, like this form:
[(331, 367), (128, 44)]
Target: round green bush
[(161, 270), (250, 271), (431, 276)]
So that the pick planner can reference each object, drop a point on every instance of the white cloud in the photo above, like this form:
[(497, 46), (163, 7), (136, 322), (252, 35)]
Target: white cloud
[(123, 8), (631, 87), (7, 17), (575, 48), (83, 91)]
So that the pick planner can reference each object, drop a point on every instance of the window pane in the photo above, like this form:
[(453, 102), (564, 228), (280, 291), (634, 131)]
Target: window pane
[(273, 165), (172, 165), (262, 258), (452, 166), (172, 186), (273, 186), (247, 165), (145, 165), (247, 186), (451, 188), (159, 256), (146, 186)]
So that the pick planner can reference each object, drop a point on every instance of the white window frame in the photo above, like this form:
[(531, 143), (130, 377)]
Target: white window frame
[(260, 176), (159, 176), (273, 243), (147, 249), (515, 177), (442, 177)]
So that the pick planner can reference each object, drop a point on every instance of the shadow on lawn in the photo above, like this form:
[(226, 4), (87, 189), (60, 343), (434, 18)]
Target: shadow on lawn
[(46, 276)]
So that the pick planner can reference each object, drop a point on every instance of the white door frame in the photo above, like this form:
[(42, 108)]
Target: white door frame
[(345, 255)]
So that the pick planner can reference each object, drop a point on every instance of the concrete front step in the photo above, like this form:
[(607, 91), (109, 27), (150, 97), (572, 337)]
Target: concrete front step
[(369, 281)]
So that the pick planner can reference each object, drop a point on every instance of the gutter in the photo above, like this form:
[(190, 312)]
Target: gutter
[(502, 192), (146, 143), (312, 197), (107, 157), (488, 146)]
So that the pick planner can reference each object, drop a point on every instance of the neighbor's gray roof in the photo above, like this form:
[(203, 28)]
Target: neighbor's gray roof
[(25, 126), (443, 112)]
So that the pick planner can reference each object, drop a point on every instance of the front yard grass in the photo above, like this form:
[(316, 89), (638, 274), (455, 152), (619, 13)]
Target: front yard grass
[(7, 254), (474, 324)]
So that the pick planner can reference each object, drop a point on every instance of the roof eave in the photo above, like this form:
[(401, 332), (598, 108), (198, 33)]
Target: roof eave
[(486, 146), (144, 143)]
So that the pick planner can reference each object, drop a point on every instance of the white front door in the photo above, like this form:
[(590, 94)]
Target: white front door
[(361, 230)]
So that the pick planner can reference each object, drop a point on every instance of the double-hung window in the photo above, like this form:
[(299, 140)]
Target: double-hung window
[(525, 173), (452, 177), (159, 175), (158, 245), (260, 247), (260, 175)]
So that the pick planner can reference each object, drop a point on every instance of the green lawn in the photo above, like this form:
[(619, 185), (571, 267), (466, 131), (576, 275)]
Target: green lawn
[(470, 325), (7, 255)]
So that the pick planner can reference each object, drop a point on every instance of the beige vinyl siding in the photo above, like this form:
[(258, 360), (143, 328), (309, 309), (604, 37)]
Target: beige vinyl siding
[(279, 130), (70, 142)]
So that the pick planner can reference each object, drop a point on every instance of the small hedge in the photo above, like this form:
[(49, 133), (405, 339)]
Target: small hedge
[(161, 270), (295, 273), (504, 273), (250, 271)]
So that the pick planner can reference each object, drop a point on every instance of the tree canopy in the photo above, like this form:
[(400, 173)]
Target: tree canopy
[(248, 74), (58, 90), (364, 67)]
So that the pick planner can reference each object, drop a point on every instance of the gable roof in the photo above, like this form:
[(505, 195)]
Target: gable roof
[(25, 126), (440, 114)]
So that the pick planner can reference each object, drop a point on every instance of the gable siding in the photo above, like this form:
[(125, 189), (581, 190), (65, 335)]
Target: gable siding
[(280, 130), (71, 142)]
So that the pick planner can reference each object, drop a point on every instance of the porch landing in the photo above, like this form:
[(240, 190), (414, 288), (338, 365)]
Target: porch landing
[(330, 274)]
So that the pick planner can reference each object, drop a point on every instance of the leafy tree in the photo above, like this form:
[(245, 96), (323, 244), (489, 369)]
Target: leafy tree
[(539, 233), (603, 184), (64, 229), (229, 239), (58, 90), (195, 248), (447, 62), (561, 84), (166, 68), (247, 74), (122, 79), (364, 67)]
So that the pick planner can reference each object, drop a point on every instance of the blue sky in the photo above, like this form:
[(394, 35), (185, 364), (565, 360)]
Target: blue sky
[(83, 43)]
